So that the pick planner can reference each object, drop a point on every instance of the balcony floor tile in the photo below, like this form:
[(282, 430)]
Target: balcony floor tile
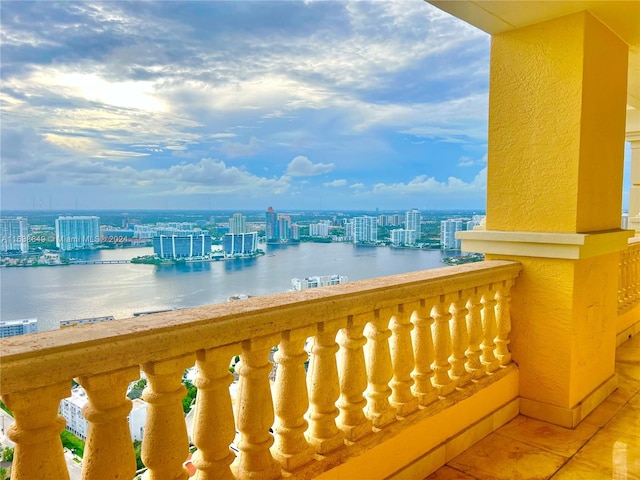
[(498, 457), (606, 445), (448, 473), (552, 438)]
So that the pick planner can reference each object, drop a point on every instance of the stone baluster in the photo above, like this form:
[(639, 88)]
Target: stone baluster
[(489, 329), (324, 390), (621, 286), (254, 412), (424, 355), (629, 276), (213, 423), (108, 450), (353, 379), (380, 371), (629, 283), (291, 401), (403, 362), (474, 327), (635, 274), (459, 339), (165, 445), (503, 321), (36, 432), (442, 346), (624, 269)]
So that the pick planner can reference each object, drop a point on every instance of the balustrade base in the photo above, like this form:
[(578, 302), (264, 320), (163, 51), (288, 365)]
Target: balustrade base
[(569, 417), (326, 445), (461, 380), (425, 399), (406, 408), (293, 462), (356, 432), (423, 441), (379, 420), (444, 390), (627, 333), (272, 472), (476, 373)]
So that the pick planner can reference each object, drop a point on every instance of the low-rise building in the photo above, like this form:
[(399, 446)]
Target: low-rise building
[(71, 409), (11, 328)]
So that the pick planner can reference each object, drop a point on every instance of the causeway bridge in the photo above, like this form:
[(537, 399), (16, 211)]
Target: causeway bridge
[(98, 262)]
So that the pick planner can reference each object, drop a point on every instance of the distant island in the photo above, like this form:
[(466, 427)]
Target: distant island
[(461, 259)]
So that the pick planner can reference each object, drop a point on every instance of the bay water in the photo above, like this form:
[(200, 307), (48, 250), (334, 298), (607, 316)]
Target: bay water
[(55, 293)]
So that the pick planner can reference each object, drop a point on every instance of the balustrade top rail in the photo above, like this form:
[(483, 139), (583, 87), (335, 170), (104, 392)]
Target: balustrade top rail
[(47, 358)]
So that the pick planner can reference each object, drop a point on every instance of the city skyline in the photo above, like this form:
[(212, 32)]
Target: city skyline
[(219, 105)]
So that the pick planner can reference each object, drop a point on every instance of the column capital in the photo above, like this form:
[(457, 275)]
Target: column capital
[(571, 246)]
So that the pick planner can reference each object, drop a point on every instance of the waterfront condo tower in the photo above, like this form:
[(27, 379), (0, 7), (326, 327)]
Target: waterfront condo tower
[(365, 229), (271, 225), (448, 229), (77, 232), (412, 225), (14, 235)]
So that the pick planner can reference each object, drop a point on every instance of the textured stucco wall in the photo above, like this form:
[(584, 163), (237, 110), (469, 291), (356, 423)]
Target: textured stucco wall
[(556, 127)]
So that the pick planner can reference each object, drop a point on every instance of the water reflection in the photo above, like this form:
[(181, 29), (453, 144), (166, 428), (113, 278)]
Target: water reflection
[(239, 264)]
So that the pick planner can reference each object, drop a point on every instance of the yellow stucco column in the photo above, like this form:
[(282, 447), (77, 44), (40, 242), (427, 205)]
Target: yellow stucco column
[(556, 147)]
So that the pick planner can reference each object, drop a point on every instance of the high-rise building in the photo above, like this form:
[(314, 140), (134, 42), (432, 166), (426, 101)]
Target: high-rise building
[(182, 246), (240, 243), (395, 220), (14, 235), (348, 230), (448, 229), (295, 232), (412, 225), (238, 223), (365, 229), (77, 232), (320, 229), (284, 227), (475, 221), (399, 237), (271, 225)]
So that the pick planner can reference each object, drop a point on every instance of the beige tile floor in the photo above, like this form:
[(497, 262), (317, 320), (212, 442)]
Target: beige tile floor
[(606, 445)]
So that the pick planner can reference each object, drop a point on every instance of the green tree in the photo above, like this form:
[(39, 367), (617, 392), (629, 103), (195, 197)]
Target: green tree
[(189, 397), (136, 390), (7, 454), (137, 448), (73, 443)]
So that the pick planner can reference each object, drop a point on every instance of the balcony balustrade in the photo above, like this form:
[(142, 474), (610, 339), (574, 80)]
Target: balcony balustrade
[(629, 280), (382, 356)]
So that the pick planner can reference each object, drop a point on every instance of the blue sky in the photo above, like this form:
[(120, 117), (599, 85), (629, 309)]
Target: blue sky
[(242, 105)]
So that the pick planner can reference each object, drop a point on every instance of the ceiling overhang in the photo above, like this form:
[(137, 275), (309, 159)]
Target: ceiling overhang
[(494, 17)]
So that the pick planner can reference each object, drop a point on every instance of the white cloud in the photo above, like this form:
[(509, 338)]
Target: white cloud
[(301, 166), (426, 184), (233, 150), (336, 183), (466, 161)]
